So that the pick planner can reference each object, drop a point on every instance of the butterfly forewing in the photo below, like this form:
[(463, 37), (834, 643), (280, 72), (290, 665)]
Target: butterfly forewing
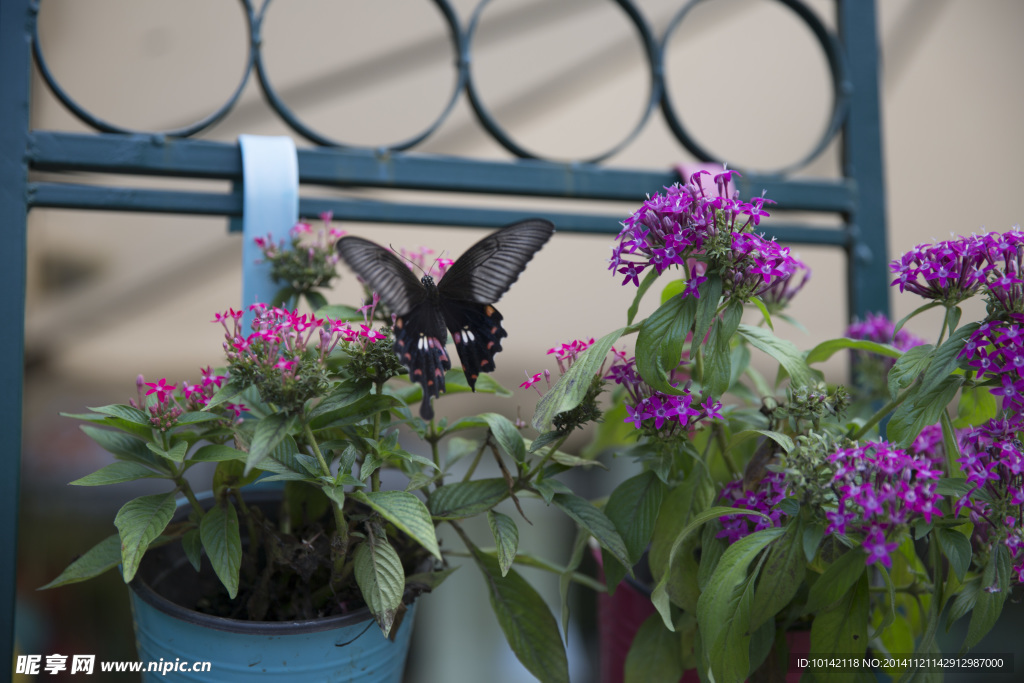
[(396, 285), (488, 268)]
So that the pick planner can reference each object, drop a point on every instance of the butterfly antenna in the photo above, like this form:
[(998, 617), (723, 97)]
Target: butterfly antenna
[(436, 260), (406, 258)]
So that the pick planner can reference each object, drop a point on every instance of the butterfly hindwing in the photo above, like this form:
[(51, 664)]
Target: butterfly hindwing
[(477, 332), (489, 267), (420, 339)]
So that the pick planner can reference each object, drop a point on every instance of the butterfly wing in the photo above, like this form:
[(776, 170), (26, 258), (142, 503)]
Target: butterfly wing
[(384, 272), (488, 268), (476, 281), (420, 338)]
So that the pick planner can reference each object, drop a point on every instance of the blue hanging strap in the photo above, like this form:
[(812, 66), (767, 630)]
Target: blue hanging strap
[(270, 208)]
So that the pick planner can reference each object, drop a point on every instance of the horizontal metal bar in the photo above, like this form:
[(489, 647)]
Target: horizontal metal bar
[(158, 155), (75, 196)]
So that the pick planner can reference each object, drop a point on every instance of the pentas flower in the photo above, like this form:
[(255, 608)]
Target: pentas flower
[(656, 411), (765, 498), (780, 292), (683, 221), (877, 327), (169, 401), (956, 269), (756, 265), (881, 490), (310, 262), (992, 457), (996, 351)]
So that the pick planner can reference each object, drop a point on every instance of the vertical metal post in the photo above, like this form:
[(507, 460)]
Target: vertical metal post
[(862, 160), (14, 127)]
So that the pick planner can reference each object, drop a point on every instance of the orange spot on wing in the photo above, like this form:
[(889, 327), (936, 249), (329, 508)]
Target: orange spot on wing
[(489, 311)]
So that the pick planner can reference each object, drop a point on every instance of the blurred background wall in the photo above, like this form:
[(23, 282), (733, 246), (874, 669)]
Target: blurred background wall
[(115, 295)]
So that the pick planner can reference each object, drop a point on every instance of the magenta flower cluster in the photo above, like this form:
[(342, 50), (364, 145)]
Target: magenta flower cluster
[(648, 408), (992, 457), (421, 258), (996, 351), (172, 401), (565, 355), (765, 498), (881, 488), (671, 227), (956, 269), (757, 265)]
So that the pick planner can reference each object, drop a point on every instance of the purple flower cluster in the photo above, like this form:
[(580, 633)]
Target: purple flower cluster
[(670, 228), (992, 457), (956, 269), (757, 265), (878, 328), (652, 409), (996, 351), (771, 491), (881, 488)]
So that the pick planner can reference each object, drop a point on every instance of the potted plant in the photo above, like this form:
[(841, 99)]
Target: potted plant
[(311, 410), (770, 503)]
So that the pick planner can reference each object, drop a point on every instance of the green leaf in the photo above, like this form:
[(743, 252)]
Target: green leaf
[(836, 581), (315, 299), (908, 368), (654, 655), (957, 548), (217, 453), (138, 522), (506, 538), (192, 544), (645, 284), (595, 522), (633, 508), (992, 593), (116, 473), (353, 413), (123, 446), (765, 313), (781, 350), (778, 437), (569, 391), (781, 576), (813, 534), (175, 453), (126, 413), (195, 418), (724, 608), (888, 607), (659, 344), (843, 627), (270, 431), (977, 405), (468, 498), (405, 511), (339, 312), (219, 533), (944, 359), (345, 394), (226, 393), (718, 356), (103, 556), (921, 410), (696, 493), (827, 349), (381, 579), (506, 434), (707, 310), (526, 621)]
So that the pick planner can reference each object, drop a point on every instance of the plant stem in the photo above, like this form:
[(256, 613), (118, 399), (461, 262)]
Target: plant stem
[(476, 461), (885, 410), (186, 488), (723, 448), (375, 476), (308, 431), (547, 456)]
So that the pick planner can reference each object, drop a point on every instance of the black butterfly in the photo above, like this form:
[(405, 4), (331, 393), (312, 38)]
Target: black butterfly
[(463, 301)]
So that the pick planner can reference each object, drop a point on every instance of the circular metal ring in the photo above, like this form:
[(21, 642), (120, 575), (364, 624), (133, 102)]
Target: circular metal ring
[(296, 124), (837, 68), (103, 126), (506, 140)]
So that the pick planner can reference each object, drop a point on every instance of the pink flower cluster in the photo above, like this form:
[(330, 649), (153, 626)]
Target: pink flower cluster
[(172, 401), (765, 498), (435, 268), (956, 269), (565, 355), (992, 457), (322, 247), (880, 488)]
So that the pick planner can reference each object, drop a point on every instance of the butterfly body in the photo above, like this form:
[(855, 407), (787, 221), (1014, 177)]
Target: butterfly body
[(461, 302)]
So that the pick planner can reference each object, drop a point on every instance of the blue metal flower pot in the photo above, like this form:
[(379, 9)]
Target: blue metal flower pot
[(175, 643)]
